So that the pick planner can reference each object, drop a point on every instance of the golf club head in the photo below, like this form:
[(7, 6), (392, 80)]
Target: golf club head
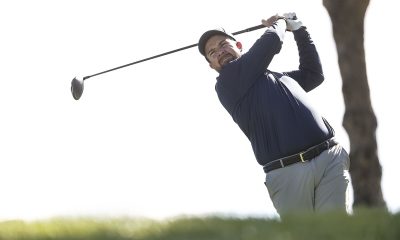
[(77, 87)]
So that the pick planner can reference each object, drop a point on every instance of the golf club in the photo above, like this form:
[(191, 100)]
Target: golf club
[(77, 84)]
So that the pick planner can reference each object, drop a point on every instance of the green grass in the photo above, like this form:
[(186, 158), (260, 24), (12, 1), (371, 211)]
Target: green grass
[(365, 225)]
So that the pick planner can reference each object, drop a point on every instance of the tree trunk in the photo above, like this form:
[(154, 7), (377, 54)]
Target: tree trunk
[(359, 120)]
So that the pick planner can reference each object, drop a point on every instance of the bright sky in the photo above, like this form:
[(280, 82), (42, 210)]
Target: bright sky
[(152, 139)]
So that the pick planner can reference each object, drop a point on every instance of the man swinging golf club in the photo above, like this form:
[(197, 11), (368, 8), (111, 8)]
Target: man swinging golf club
[(306, 169)]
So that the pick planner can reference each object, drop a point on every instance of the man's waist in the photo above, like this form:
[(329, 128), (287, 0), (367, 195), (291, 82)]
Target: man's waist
[(301, 156)]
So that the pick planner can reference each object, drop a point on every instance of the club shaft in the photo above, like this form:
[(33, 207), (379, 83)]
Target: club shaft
[(170, 52), (249, 29), (142, 60)]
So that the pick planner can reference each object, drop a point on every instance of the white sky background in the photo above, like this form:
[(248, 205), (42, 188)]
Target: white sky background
[(152, 139)]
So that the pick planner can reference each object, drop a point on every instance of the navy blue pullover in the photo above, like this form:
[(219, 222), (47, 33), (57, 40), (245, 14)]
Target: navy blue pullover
[(271, 108)]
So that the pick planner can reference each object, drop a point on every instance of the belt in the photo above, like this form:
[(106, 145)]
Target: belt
[(304, 156)]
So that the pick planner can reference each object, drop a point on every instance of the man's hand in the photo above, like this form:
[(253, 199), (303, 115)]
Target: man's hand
[(292, 22), (270, 21)]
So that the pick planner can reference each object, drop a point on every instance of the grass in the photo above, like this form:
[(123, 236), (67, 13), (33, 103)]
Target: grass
[(365, 225)]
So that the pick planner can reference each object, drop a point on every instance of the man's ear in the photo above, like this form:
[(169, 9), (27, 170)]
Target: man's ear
[(239, 45)]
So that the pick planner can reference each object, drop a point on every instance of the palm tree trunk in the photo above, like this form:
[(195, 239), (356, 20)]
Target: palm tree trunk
[(359, 120)]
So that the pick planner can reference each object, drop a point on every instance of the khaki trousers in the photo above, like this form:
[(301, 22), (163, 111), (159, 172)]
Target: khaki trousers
[(318, 185)]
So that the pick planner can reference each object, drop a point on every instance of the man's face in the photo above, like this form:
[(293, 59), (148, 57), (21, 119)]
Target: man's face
[(220, 50)]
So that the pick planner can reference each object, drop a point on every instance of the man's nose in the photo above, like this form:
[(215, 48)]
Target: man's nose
[(221, 51)]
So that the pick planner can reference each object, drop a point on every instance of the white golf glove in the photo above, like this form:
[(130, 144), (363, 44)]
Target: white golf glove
[(292, 22)]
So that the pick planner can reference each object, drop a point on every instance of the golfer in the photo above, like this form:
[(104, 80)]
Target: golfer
[(306, 169)]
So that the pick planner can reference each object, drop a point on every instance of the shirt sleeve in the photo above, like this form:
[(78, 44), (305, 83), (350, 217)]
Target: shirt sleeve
[(257, 59), (310, 74), (237, 77)]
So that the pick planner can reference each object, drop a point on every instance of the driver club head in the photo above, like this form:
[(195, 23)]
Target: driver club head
[(77, 87)]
